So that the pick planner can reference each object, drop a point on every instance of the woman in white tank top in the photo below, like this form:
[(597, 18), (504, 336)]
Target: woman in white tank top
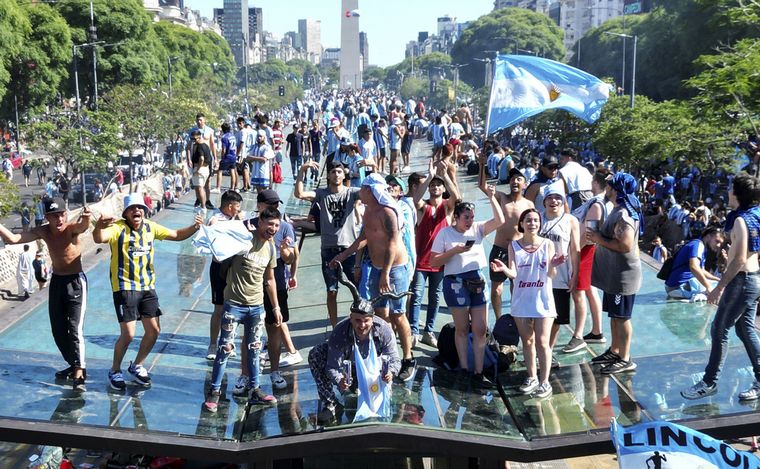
[(532, 265)]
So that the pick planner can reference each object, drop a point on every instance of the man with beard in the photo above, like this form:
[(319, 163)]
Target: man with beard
[(133, 281), (513, 205)]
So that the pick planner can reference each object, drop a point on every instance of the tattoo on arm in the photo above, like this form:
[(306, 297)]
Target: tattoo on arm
[(389, 224)]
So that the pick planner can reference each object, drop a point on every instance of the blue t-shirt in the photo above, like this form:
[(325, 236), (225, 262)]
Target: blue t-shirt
[(668, 183), (681, 272), (229, 148)]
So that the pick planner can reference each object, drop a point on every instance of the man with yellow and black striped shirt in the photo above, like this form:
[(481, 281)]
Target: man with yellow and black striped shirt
[(133, 281)]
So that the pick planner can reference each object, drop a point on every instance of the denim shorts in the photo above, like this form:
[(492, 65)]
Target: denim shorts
[(399, 281), (457, 296)]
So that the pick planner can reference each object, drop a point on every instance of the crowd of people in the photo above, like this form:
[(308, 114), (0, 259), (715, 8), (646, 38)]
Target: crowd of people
[(567, 232)]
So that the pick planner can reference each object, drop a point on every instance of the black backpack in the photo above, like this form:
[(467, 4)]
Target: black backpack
[(473, 168), (493, 361), (667, 266), (505, 331)]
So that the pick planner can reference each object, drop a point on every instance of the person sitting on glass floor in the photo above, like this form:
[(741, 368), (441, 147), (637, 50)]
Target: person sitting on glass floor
[(688, 279)]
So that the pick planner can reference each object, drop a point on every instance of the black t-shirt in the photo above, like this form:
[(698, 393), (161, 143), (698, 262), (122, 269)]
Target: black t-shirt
[(201, 150), (296, 143)]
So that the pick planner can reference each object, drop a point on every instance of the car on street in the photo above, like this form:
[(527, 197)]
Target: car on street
[(89, 185)]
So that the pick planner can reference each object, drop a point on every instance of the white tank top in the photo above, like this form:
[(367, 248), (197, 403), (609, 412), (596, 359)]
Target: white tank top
[(532, 295), (557, 230)]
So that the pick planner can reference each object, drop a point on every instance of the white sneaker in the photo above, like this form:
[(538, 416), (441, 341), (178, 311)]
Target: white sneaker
[(699, 298), (216, 190), (211, 352), (278, 382), (289, 359), (241, 387), (752, 393), (529, 385)]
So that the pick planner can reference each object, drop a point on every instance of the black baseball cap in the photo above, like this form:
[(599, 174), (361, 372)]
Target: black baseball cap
[(550, 160), (268, 196), (55, 205), (515, 172)]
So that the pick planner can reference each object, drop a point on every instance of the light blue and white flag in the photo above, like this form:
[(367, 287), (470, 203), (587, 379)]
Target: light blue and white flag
[(374, 393), (524, 86), (223, 239), (665, 445)]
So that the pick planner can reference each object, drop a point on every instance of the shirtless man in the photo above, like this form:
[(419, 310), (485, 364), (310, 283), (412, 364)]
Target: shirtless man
[(68, 285), (737, 292), (390, 271), (513, 205)]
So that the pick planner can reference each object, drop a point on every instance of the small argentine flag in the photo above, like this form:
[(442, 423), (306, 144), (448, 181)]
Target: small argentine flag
[(374, 393)]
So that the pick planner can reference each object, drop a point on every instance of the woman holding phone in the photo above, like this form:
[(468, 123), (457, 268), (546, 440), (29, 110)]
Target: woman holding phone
[(459, 249), (532, 263)]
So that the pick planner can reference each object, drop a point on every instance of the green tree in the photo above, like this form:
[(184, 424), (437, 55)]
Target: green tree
[(139, 57), (10, 200), (503, 31), (14, 28), (43, 63)]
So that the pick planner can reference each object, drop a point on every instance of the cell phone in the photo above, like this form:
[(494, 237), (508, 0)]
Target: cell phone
[(469, 243)]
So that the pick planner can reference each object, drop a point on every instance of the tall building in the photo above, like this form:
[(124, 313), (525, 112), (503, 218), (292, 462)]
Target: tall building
[(234, 23), (255, 24), (311, 39), (576, 18), (364, 49), (350, 60)]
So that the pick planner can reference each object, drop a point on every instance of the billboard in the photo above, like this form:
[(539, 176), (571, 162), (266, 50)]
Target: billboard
[(634, 7)]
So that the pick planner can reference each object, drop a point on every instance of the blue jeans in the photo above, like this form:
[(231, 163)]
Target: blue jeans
[(251, 317), (738, 307), (398, 277), (435, 282)]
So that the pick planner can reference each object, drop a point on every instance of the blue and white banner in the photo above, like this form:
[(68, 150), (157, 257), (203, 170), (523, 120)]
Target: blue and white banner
[(524, 86), (665, 445)]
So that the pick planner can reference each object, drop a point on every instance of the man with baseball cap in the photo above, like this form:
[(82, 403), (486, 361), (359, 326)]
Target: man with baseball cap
[(133, 281), (67, 300), (548, 175), (339, 224)]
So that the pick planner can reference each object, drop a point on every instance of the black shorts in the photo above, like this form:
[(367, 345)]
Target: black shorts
[(618, 306), (562, 305), (381, 151), (132, 305), (282, 298), (218, 283), (498, 252), (227, 165)]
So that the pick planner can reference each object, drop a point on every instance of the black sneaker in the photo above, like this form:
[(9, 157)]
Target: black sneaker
[(116, 380), (66, 373), (606, 358), (619, 366), (482, 381), (594, 338), (209, 205), (197, 203), (259, 397), (408, 366), (79, 384), (140, 374)]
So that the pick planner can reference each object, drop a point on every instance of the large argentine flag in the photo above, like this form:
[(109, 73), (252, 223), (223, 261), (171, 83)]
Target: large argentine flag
[(665, 445), (374, 393), (524, 86)]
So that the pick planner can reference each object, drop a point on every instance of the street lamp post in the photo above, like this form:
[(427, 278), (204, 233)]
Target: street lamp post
[(245, 66), (633, 68), (169, 59), (94, 38)]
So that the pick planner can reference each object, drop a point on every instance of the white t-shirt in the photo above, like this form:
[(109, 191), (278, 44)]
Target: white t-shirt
[(474, 259), (576, 177)]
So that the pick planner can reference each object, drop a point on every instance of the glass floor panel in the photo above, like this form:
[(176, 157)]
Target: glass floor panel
[(670, 345)]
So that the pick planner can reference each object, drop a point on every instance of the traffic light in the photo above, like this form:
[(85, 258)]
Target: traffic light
[(282, 90)]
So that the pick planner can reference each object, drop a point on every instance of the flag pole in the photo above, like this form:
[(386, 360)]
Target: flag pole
[(490, 92)]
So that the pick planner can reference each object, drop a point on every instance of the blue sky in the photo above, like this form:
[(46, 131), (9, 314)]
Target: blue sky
[(389, 24)]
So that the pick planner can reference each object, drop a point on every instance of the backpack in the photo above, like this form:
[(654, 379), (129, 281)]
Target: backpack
[(276, 173), (493, 361), (667, 266), (505, 330), (473, 168)]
